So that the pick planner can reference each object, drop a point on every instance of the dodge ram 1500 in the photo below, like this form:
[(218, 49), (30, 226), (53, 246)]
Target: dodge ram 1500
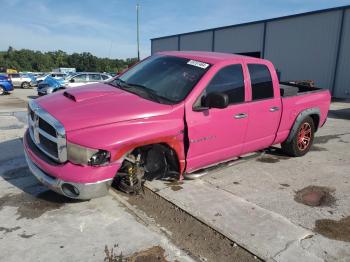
[(167, 117)]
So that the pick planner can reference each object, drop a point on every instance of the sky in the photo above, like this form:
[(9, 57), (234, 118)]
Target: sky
[(107, 28)]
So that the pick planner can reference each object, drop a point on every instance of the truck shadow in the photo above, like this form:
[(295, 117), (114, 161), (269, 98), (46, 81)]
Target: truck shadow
[(14, 170), (340, 114)]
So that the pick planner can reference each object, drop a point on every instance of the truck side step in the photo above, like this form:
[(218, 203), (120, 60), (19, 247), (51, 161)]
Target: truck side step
[(205, 171)]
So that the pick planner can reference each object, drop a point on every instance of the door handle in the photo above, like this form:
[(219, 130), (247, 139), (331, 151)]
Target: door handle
[(274, 109), (241, 115)]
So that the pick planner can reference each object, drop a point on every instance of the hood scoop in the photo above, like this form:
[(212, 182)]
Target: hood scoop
[(69, 96), (88, 92)]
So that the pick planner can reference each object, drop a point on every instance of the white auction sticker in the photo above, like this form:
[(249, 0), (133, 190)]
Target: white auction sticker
[(198, 64)]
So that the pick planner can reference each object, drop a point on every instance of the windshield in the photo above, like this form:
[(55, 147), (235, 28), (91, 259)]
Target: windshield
[(166, 78)]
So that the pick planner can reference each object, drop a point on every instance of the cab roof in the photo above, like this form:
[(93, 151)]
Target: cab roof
[(209, 57)]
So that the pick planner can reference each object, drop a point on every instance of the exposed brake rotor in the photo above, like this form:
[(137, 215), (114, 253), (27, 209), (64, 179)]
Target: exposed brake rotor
[(130, 178), (148, 163)]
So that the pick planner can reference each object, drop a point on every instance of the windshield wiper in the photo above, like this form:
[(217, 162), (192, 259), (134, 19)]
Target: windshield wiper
[(152, 94), (117, 82), (140, 90)]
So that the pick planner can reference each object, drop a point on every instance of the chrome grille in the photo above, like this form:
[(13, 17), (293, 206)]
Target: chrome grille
[(47, 133)]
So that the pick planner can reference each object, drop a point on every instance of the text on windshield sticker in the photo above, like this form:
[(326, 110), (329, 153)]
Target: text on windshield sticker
[(198, 64)]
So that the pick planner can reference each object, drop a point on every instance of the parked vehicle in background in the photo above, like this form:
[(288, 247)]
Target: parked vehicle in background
[(80, 79), (32, 77), (41, 77), (50, 85), (53, 75), (37, 74), (5, 84), (58, 75), (22, 80), (112, 74), (65, 70), (11, 71), (168, 117)]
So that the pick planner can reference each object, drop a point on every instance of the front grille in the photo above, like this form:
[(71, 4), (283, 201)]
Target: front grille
[(38, 152), (31, 113), (45, 126), (48, 145), (47, 133)]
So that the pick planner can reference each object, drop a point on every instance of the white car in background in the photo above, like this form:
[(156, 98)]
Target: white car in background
[(22, 80), (54, 75), (80, 79)]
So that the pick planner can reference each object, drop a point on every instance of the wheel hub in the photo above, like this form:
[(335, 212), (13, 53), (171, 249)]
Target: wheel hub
[(304, 136)]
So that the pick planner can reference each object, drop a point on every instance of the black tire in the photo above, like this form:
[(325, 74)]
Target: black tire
[(302, 139), (25, 85), (2, 91)]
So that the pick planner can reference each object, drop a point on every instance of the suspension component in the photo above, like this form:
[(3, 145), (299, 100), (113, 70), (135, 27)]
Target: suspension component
[(146, 163), (130, 177)]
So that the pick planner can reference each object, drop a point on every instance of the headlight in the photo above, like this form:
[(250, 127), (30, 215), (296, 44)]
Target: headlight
[(87, 156)]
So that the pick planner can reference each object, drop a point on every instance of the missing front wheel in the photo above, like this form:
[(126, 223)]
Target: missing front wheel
[(147, 163)]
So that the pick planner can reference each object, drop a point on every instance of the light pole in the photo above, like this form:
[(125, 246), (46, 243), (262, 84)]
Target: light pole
[(138, 37)]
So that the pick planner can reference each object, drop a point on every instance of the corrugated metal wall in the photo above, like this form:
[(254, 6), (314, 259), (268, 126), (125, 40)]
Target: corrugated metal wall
[(302, 47), (342, 83), (198, 41), (164, 44), (239, 39)]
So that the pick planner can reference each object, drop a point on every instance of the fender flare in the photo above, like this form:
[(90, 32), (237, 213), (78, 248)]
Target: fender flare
[(300, 118)]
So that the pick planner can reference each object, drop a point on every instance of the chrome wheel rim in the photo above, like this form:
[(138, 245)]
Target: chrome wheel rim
[(304, 136)]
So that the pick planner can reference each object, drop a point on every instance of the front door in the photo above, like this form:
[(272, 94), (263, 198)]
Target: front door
[(216, 135), (78, 80)]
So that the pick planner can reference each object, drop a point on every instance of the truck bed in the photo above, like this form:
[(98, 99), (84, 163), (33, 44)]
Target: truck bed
[(289, 89)]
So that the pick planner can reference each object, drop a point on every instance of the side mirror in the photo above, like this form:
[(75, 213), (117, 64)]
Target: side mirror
[(72, 80), (215, 100)]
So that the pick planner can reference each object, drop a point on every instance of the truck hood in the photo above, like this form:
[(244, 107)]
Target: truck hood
[(98, 104)]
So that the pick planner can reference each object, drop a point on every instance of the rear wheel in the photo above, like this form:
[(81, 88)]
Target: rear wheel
[(302, 139), (2, 91), (25, 85)]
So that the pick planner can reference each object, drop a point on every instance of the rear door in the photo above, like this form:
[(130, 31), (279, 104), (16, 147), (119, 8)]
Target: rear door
[(264, 107), (217, 135), (95, 78)]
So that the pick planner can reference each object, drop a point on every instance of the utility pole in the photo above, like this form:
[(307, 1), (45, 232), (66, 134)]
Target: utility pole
[(138, 33)]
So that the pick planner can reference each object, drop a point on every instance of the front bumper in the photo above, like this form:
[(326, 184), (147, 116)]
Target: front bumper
[(41, 92), (70, 189)]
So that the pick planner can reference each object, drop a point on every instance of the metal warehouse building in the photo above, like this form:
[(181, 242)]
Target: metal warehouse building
[(309, 46)]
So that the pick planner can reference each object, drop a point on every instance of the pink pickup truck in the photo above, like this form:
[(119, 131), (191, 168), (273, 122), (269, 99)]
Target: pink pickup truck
[(168, 117)]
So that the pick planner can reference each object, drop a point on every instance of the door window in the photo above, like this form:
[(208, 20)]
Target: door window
[(229, 80), (94, 77), (15, 76), (105, 77), (260, 77), (80, 78)]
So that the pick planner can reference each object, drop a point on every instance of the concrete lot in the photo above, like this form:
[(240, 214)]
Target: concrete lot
[(40, 225), (256, 202)]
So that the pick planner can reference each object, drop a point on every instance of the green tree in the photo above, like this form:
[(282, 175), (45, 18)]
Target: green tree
[(36, 61)]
